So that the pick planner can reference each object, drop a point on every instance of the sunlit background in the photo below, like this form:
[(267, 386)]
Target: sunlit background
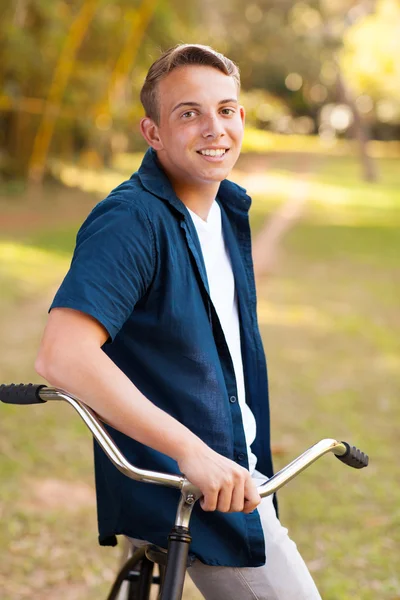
[(321, 87)]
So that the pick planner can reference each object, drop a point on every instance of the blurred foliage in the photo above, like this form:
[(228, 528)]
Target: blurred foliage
[(370, 59), (290, 53)]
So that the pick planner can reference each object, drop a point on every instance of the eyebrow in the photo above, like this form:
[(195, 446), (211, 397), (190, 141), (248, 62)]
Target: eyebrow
[(196, 104)]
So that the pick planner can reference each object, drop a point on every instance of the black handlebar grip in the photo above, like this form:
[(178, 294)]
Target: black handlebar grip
[(22, 393), (354, 457)]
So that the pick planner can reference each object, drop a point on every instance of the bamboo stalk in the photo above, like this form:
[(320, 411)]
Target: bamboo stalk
[(59, 82), (139, 21)]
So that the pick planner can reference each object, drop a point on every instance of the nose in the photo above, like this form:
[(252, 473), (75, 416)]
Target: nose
[(213, 127)]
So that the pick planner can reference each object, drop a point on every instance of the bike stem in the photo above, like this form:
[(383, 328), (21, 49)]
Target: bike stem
[(178, 544)]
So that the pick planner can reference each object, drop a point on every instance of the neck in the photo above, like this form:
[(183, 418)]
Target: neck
[(198, 199), (198, 196)]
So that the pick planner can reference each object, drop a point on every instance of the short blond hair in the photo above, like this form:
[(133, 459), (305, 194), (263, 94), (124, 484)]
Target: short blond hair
[(179, 56)]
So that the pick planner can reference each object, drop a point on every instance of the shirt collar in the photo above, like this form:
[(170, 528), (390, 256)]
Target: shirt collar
[(155, 181)]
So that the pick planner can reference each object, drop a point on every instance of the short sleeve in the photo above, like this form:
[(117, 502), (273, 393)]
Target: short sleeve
[(112, 266)]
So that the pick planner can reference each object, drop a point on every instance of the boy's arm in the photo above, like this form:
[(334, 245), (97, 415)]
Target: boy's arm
[(70, 357)]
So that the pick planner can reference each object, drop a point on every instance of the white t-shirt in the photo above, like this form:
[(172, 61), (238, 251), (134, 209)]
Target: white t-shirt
[(223, 295)]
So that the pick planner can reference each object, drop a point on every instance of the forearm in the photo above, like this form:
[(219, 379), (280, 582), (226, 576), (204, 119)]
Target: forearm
[(70, 357), (90, 375)]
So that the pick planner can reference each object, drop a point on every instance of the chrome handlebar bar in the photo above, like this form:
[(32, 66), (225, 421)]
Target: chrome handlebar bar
[(107, 444), (34, 394), (103, 438)]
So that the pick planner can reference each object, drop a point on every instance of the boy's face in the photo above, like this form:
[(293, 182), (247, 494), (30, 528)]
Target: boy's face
[(200, 132)]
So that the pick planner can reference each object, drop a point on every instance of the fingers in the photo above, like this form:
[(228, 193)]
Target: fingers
[(237, 498), (210, 498), (225, 498), (225, 485), (219, 497), (231, 496), (251, 495)]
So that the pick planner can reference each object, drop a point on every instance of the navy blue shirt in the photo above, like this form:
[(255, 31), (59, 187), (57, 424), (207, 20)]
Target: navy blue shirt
[(138, 269)]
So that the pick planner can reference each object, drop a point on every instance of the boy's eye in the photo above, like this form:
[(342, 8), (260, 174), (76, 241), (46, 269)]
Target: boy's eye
[(188, 114), (228, 111)]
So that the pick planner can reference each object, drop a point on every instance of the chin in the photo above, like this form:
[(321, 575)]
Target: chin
[(223, 174), (214, 177), (217, 173)]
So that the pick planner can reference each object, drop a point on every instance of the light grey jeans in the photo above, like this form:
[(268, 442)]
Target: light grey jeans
[(283, 577)]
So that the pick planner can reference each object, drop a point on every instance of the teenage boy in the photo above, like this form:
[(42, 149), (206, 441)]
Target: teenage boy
[(155, 328)]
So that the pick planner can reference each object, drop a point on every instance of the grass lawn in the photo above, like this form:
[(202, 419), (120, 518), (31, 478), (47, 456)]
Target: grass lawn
[(330, 322)]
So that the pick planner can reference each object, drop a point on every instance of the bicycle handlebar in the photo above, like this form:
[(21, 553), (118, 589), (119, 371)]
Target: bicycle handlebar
[(36, 394), (22, 393)]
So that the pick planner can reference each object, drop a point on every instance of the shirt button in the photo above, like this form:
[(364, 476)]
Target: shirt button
[(241, 456), (232, 399)]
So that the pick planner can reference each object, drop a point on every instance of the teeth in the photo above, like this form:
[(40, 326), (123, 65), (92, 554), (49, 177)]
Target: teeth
[(217, 152)]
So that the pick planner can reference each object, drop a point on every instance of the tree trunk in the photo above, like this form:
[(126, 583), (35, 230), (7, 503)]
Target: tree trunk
[(18, 136), (359, 128), (60, 79)]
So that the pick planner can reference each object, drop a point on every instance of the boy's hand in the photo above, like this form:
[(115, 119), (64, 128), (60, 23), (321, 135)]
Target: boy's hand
[(226, 486)]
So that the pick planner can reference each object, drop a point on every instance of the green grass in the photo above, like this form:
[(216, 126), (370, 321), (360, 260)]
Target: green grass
[(330, 323)]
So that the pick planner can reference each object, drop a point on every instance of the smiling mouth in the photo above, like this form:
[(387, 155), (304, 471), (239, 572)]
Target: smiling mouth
[(217, 152)]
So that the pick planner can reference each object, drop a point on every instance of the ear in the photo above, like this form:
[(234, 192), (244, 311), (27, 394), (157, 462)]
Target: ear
[(149, 130), (242, 114)]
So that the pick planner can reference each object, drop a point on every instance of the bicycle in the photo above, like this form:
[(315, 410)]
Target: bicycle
[(173, 562)]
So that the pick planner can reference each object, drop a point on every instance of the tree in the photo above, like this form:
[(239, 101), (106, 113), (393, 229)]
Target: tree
[(59, 82), (370, 58)]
